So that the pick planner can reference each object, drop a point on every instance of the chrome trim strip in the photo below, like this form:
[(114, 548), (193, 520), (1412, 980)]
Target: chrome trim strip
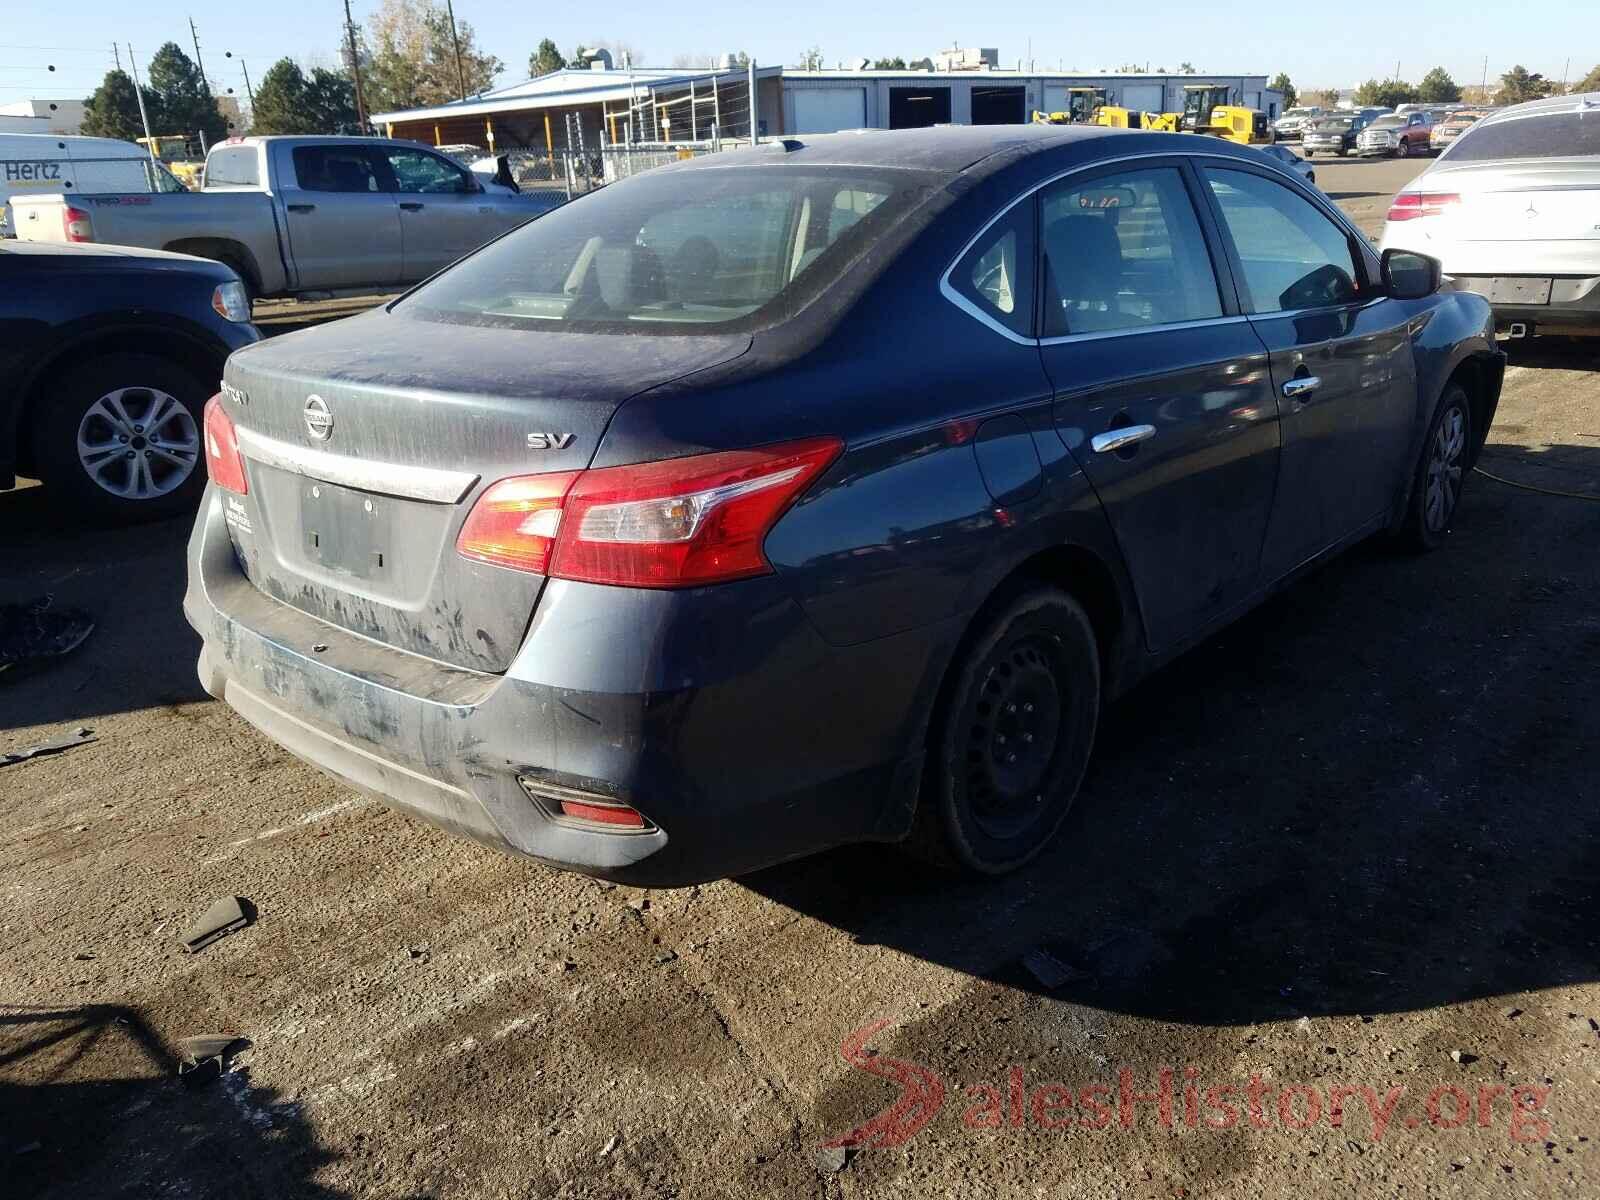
[(955, 297), (391, 479)]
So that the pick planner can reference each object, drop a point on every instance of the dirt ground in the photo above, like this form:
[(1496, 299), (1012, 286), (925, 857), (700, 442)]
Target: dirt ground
[(1351, 843)]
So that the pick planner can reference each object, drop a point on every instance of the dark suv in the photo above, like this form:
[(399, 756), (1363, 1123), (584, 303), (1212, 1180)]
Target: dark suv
[(1333, 135), (817, 493), (107, 356)]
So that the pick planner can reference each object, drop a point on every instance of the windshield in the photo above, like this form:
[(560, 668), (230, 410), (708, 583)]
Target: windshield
[(1301, 112), (1548, 135), (1388, 122), (705, 247), (1336, 123)]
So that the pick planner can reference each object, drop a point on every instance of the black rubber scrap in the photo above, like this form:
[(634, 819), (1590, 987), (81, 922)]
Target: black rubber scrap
[(225, 916), (38, 629)]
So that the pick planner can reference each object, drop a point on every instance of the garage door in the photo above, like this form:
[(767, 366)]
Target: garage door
[(1142, 97), (828, 110)]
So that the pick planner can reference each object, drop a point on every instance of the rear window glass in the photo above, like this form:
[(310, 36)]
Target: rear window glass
[(232, 166), (1552, 135), (709, 247)]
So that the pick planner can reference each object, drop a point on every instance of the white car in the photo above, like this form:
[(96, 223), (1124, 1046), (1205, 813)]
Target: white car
[(1512, 211)]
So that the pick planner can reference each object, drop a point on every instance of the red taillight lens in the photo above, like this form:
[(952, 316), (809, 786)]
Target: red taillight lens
[(76, 225), (686, 521), (1409, 206), (514, 523), (678, 523), (223, 462)]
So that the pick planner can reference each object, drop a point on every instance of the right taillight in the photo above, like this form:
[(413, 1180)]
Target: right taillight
[(681, 522), (75, 224), (1409, 206), (223, 461)]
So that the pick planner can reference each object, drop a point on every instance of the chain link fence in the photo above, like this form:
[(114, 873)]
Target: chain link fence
[(574, 172)]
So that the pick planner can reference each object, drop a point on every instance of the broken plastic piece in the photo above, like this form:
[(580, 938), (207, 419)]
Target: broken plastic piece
[(222, 918), (76, 738)]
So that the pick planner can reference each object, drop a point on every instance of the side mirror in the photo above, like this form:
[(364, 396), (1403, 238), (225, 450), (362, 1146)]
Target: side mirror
[(1408, 275)]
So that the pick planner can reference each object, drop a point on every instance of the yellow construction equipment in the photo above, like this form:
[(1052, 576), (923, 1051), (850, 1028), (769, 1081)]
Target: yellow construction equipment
[(1160, 122), (1082, 104), (1206, 110), (1114, 117)]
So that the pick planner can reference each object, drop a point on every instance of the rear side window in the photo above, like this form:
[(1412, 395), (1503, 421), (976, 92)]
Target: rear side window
[(1122, 252), (1293, 256), (233, 166), (1551, 135), (700, 248), (996, 276), (335, 169)]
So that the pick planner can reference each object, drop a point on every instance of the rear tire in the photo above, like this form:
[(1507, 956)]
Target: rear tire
[(1441, 470), (1011, 737), (118, 438)]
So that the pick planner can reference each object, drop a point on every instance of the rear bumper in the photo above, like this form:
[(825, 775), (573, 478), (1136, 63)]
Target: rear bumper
[(1572, 309), (719, 714)]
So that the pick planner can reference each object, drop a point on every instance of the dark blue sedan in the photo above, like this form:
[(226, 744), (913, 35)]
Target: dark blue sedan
[(818, 493)]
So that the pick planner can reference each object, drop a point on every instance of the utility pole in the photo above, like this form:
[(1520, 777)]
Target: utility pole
[(116, 52), (144, 117), (355, 69), (198, 61), (248, 90), (461, 76), (1484, 87), (755, 125)]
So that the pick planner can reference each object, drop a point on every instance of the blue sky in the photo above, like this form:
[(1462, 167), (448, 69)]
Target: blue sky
[(1364, 41)]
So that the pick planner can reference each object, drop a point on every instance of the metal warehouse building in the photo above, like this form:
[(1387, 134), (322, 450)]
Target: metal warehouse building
[(612, 106)]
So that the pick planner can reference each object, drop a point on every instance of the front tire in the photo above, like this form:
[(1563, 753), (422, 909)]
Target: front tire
[(1012, 736), (118, 438), (1441, 470), (1403, 150)]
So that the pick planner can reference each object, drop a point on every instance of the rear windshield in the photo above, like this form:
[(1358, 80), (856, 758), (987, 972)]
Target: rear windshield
[(718, 246), (1550, 135)]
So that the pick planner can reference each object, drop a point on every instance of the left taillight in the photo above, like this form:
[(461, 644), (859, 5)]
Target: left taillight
[(682, 522), (1412, 206), (223, 462), (75, 224)]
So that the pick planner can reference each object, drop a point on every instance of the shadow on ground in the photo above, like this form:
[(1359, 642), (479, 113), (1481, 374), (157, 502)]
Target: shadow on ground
[(1374, 794), (106, 1103)]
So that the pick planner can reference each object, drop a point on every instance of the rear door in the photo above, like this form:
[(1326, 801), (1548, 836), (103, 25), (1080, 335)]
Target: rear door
[(343, 223), (1162, 391), (1341, 361), (443, 215)]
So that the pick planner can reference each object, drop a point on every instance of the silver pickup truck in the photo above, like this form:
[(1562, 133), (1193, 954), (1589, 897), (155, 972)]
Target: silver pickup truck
[(302, 215)]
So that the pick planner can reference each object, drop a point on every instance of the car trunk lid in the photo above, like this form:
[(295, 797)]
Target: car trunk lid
[(367, 442)]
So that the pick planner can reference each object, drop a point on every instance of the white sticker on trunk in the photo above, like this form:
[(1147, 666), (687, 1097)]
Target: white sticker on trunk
[(237, 516)]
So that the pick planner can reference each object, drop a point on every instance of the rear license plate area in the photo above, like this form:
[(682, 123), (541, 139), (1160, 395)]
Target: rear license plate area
[(1519, 291), (345, 530)]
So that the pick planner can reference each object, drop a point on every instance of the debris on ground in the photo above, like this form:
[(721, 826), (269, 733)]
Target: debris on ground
[(77, 738), (1462, 1057), (226, 916), (616, 1140), (1048, 969), (37, 630), (833, 1159), (205, 1056)]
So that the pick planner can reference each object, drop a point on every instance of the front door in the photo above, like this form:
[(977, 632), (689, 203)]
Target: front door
[(1341, 363), (1162, 389), (443, 215), (343, 225)]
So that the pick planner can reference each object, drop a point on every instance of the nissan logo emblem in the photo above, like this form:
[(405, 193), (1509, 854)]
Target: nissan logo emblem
[(319, 421)]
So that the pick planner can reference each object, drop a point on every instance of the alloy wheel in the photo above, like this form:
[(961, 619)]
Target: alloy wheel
[(1445, 458), (138, 443)]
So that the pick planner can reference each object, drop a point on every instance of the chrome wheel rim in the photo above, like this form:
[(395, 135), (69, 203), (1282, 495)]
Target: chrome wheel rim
[(1444, 470), (138, 443)]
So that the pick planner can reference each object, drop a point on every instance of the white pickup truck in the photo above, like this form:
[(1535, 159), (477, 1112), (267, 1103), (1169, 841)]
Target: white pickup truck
[(300, 216)]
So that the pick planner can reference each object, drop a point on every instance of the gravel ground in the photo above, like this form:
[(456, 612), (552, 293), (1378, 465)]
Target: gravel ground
[(1350, 843)]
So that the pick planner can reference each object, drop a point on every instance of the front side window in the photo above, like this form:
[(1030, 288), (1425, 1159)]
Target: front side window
[(416, 171), (1124, 251), (703, 248), (997, 275), (335, 169), (1292, 255)]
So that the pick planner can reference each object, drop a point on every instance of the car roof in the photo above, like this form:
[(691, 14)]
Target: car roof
[(1588, 102)]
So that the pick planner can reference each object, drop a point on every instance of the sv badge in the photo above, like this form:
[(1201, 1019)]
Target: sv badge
[(550, 441)]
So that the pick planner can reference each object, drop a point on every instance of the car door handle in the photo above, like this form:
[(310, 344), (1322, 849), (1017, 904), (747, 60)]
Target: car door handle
[(1302, 385), (302, 208), (411, 205), (1121, 438)]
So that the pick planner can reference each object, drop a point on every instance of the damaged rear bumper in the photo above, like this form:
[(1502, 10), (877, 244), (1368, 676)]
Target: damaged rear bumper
[(719, 714)]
